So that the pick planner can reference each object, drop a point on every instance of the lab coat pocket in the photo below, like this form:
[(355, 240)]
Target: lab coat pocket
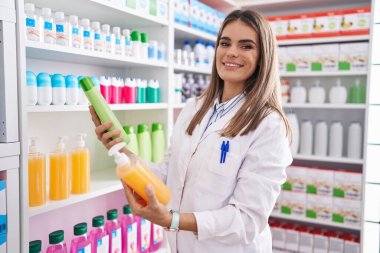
[(225, 163)]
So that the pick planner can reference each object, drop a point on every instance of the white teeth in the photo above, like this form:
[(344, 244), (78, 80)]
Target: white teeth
[(231, 65)]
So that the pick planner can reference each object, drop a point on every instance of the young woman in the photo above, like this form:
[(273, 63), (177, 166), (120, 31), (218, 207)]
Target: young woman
[(228, 152)]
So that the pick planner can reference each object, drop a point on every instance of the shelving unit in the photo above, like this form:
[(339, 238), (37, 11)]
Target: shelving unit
[(325, 106), (323, 74), (187, 33), (187, 69), (353, 38), (328, 159)]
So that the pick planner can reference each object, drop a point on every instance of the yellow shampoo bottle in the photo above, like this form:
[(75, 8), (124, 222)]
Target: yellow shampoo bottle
[(80, 167), (134, 172), (59, 172), (36, 175)]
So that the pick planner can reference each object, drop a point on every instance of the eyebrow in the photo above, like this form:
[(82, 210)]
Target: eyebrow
[(240, 41)]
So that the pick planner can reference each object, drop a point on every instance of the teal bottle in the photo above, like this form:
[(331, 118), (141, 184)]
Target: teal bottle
[(158, 143), (133, 144), (145, 143)]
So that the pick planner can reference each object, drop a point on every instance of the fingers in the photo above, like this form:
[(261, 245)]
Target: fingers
[(94, 116), (99, 130), (151, 196), (111, 143)]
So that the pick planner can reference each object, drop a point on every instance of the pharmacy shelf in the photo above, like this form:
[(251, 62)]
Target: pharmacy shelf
[(187, 69), (84, 108), (325, 106), (102, 182), (107, 12), (352, 38), (38, 50), (313, 221), (187, 33), (324, 74), (328, 159)]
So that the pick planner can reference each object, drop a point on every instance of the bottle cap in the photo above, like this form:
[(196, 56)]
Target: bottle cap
[(29, 7), (33, 145), (126, 32), (31, 79), (98, 221), (56, 237), (80, 140), (144, 38), (116, 30), (95, 25), (154, 84), (46, 12), (73, 19), (96, 81), (58, 81), (35, 246), (157, 127), (86, 83), (141, 128), (120, 158), (85, 22), (106, 27), (112, 214), (135, 36), (127, 209), (60, 147), (129, 129), (80, 228), (43, 80), (130, 82), (71, 81), (187, 42), (210, 44), (59, 15)]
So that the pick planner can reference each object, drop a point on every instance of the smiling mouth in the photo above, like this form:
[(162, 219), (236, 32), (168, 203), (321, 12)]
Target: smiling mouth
[(232, 65)]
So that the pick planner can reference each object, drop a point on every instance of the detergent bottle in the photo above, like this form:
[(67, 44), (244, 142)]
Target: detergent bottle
[(128, 224), (80, 165), (80, 242), (37, 175), (98, 236), (59, 171), (114, 231)]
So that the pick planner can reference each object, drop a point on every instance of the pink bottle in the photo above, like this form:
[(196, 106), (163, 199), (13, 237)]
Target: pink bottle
[(105, 88), (156, 237), (130, 91), (80, 243), (116, 90), (143, 235), (114, 232), (129, 231), (98, 236), (120, 88), (56, 242)]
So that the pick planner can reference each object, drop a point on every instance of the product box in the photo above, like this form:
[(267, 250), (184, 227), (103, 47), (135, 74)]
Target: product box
[(321, 182), (321, 241), (292, 237), (3, 233), (352, 246), (297, 178), (131, 3), (319, 207), (325, 57), (208, 19), (293, 203), (202, 16), (347, 211), (356, 21), (194, 13), (221, 18), (306, 240), (3, 199), (348, 184), (143, 6), (300, 26), (3, 243), (353, 56), (215, 26), (277, 206), (282, 57), (153, 7), (181, 12), (299, 59), (327, 24), (336, 244), (278, 235), (279, 26)]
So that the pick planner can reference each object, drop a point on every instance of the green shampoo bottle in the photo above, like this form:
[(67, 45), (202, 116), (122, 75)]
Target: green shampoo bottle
[(145, 143), (133, 144), (158, 143)]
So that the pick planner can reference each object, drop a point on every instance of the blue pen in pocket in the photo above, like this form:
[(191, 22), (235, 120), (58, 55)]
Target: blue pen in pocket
[(222, 148), (226, 149)]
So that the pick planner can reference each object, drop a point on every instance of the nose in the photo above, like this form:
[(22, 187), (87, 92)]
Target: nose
[(232, 51)]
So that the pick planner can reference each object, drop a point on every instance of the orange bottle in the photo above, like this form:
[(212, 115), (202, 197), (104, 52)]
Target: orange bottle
[(80, 167), (36, 175), (134, 172), (59, 172)]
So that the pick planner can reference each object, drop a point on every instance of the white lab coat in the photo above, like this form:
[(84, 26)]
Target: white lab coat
[(231, 201)]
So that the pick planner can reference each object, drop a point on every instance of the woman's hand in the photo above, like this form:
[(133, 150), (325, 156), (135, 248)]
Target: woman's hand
[(108, 139), (153, 211)]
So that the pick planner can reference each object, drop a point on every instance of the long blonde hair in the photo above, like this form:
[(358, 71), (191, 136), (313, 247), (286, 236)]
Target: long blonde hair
[(262, 88)]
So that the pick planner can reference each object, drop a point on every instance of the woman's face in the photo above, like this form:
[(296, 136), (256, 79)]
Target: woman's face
[(238, 53)]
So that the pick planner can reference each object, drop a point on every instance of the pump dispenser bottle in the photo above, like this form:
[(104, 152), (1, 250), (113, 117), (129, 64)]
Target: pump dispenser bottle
[(80, 164), (59, 171), (37, 175)]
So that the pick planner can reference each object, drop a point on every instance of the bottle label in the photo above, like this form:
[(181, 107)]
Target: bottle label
[(97, 36), (132, 238), (160, 55), (108, 38), (103, 245), (30, 22), (86, 34), (145, 234), (117, 41), (48, 26), (128, 42), (116, 240), (86, 249), (157, 234), (75, 31), (59, 28)]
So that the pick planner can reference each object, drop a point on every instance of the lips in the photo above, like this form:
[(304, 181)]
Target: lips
[(232, 64)]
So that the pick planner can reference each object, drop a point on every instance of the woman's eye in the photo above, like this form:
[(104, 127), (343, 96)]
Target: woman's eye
[(247, 47), (223, 44)]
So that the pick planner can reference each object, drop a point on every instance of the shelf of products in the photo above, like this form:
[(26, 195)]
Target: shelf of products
[(187, 33), (187, 69), (324, 74), (325, 106), (328, 159), (352, 38)]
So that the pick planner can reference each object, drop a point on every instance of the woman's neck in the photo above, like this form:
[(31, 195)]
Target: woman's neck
[(231, 90)]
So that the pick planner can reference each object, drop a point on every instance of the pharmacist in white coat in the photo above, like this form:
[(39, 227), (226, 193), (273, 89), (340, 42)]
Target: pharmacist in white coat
[(228, 152)]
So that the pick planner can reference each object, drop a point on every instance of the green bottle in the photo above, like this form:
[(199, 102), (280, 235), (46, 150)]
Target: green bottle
[(101, 107), (158, 143), (145, 143), (133, 145), (357, 93)]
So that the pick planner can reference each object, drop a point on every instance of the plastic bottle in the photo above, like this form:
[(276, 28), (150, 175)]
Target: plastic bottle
[(128, 230), (187, 47), (72, 91), (133, 145), (178, 88), (158, 142), (152, 50), (98, 236), (76, 34), (338, 93), (116, 90), (32, 24), (118, 40), (130, 91), (80, 165), (306, 146), (298, 94), (141, 90), (44, 90), (101, 107), (31, 87), (96, 81), (35, 246), (210, 53), (82, 99), (114, 231), (87, 34), (357, 93), (59, 89), (199, 50), (36, 175), (56, 242), (293, 122), (336, 139), (153, 92), (317, 94), (156, 237), (59, 171), (136, 44), (120, 88), (145, 143), (49, 33), (61, 29), (105, 88), (144, 235), (80, 242), (128, 48), (134, 172), (144, 46), (161, 53), (106, 33), (354, 144), (321, 139), (98, 39)]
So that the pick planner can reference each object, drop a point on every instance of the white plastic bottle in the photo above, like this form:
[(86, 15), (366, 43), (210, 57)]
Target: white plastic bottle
[(336, 139), (127, 42), (354, 141), (293, 122), (98, 39), (199, 51), (306, 145), (82, 99), (44, 92), (118, 40), (75, 32), (136, 44), (62, 37), (152, 50), (72, 90), (106, 33), (187, 47), (59, 89), (161, 54), (210, 52), (87, 34), (49, 32), (144, 46), (31, 84), (298, 93), (321, 139), (32, 24)]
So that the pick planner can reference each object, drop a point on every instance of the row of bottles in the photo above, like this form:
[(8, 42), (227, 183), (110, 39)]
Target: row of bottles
[(317, 94), (323, 140), (201, 55), (127, 234), (69, 172), (187, 86)]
